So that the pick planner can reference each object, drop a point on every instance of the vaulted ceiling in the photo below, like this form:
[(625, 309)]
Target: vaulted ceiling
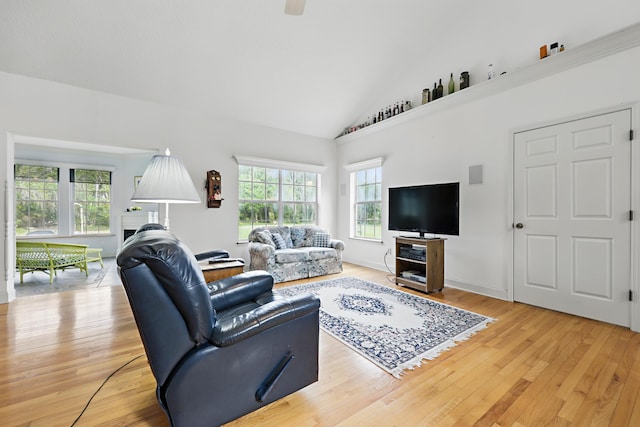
[(314, 74)]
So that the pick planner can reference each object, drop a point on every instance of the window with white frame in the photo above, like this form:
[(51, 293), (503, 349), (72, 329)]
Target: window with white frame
[(91, 201), (276, 193), (60, 200), (36, 192), (366, 199)]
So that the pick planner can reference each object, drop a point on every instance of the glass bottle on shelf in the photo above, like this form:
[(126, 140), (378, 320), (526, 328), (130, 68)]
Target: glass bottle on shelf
[(491, 74), (440, 89), (452, 84), (464, 80), (426, 96)]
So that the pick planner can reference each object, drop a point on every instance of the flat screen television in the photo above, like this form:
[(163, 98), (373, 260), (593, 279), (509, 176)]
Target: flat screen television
[(433, 208)]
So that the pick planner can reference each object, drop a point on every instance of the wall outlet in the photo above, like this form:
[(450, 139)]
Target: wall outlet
[(388, 252)]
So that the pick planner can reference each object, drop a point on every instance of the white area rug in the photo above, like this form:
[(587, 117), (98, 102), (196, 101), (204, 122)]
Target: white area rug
[(395, 330)]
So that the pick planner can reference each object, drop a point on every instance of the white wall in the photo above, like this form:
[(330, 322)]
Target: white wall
[(44, 109), (434, 148), (7, 249), (440, 147)]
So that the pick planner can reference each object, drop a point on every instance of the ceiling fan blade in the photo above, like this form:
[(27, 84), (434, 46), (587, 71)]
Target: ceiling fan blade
[(294, 7)]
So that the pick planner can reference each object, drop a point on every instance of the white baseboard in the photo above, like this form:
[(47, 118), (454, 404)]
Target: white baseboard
[(375, 265), (8, 293), (477, 289), (464, 286)]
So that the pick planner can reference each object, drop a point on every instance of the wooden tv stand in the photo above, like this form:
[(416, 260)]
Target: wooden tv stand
[(432, 268)]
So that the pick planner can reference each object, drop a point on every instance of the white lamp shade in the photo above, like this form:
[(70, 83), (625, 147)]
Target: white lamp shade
[(166, 180)]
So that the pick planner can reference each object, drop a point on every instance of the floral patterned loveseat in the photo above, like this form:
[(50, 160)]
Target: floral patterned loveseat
[(297, 252)]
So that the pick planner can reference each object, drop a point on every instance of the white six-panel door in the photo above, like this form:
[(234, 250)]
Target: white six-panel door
[(572, 232)]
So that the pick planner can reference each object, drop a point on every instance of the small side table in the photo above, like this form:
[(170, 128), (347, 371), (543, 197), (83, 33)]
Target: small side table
[(220, 270)]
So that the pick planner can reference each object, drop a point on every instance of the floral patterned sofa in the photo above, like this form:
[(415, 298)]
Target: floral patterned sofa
[(296, 252)]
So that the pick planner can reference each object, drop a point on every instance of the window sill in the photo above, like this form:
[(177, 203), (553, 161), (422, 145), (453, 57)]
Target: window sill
[(364, 239)]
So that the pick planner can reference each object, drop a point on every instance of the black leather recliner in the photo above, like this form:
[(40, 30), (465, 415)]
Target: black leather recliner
[(218, 350)]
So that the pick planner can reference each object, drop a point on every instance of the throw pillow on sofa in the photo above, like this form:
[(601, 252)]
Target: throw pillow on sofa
[(288, 241), (278, 240), (265, 237), (297, 236), (322, 240)]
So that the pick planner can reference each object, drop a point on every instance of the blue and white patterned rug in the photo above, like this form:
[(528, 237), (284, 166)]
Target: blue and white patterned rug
[(395, 330)]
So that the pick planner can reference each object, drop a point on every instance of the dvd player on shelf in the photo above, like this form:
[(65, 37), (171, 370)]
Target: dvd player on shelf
[(414, 275), (413, 252)]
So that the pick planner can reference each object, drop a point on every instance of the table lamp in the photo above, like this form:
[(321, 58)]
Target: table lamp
[(165, 180)]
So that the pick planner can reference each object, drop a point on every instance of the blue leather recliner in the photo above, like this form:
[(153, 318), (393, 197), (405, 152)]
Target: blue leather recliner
[(217, 350)]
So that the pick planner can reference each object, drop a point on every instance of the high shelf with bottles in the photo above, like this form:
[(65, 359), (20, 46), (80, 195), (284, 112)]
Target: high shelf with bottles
[(412, 271), (618, 41)]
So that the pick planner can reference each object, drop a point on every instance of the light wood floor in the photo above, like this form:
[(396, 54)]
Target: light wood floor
[(532, 367)]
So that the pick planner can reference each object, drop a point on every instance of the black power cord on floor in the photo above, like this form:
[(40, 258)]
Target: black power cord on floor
[(391, 278), (102, 385)]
